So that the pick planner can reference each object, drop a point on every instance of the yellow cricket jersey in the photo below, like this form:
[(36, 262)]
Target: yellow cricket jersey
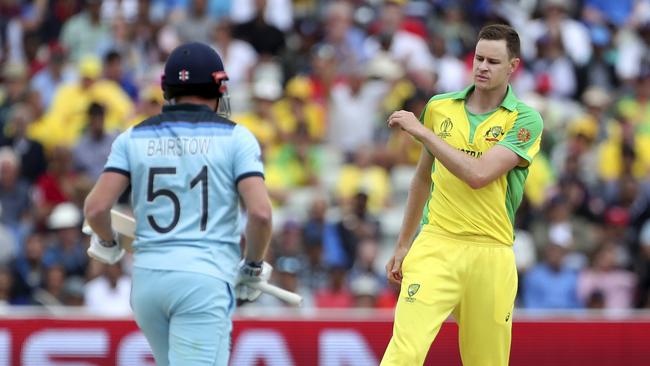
[(486, 214)]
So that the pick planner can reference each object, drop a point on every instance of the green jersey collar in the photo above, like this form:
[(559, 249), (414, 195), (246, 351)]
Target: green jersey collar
[(509, 102)]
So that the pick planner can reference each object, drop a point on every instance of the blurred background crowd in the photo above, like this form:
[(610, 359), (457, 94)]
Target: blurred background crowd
[(315, 81)]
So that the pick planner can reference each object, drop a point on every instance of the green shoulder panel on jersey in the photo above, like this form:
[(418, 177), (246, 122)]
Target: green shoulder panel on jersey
[(524, 137), (530, 118)]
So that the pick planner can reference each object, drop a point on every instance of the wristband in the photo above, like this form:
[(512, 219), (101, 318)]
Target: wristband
[(107, 243), (256, 264)]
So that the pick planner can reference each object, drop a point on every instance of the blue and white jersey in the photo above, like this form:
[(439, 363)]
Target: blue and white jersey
[(184, 166)]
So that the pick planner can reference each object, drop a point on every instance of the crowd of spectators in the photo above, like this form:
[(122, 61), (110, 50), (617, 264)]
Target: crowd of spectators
[(315, 81)]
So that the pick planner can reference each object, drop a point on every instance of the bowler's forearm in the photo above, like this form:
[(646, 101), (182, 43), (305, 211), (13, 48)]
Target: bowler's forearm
[(457, 162)]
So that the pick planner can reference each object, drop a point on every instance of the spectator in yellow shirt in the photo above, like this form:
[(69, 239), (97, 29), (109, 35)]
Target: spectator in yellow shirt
[(261, 120), (362, 175), (298, 107), (66, 117)]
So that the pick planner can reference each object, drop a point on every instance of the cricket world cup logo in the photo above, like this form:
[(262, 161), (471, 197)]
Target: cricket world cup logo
[(445, 127)]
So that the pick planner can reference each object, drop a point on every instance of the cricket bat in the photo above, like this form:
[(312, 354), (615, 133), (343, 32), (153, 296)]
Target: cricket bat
[(124, 225)]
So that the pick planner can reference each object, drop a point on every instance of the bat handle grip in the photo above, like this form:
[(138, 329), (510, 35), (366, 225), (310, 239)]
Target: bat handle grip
[(280, 293)]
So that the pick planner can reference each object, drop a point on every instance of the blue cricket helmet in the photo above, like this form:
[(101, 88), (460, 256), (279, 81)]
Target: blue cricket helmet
[(194, 69)]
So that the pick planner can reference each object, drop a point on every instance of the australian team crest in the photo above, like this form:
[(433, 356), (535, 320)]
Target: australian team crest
[(494, 133), (411, 291)]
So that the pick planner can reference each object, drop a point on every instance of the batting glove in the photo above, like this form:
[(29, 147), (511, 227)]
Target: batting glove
[(109, 252), (251, 273)]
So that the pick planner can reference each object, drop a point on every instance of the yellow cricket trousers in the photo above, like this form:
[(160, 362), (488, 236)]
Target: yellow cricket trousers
[(476, 282)]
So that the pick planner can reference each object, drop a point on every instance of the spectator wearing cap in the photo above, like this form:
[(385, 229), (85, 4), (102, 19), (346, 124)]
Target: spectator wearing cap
[(297, 110), (67, 246), (92, 150), (261, 119), (604, 276), (66, 118), (84, 32), (551, 284), (55, 74), (31, 153)]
